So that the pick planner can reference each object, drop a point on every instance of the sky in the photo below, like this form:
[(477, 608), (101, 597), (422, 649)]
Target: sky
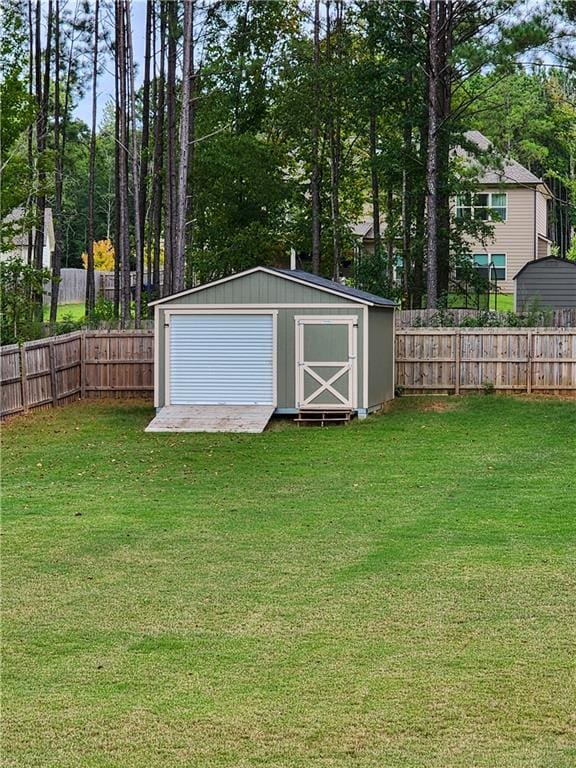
[(105, 89)]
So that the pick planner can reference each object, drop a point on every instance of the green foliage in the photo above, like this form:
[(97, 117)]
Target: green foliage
[(533, 316), (19, 283), (488, 387), (372, 274), (103, 310), (17, 114)]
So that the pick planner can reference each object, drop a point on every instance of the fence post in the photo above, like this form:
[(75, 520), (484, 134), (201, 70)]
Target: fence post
[(457, 354), (23, 377), (529, 362), (82, 365), (52, 358)]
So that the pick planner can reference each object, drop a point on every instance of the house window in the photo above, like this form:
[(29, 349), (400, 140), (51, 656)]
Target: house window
[(484, 206), (495, 262)]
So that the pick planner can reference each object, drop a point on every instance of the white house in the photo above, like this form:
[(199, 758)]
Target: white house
[(20, 240)]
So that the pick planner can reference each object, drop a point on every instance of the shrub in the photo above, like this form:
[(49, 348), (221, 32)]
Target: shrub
[(20, 283)]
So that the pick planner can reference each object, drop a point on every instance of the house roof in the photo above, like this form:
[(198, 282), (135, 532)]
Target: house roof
[(364, 229), (297, 276), (511, 171), (529, 264)]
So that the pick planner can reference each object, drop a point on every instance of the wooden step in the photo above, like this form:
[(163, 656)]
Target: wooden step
[(322, 418)]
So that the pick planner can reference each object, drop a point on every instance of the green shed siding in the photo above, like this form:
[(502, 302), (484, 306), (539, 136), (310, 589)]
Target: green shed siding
[(261, 288), (380, 356), (286, 347), (271, 292)]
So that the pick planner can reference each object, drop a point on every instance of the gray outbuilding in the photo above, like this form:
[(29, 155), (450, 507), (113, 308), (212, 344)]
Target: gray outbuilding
[(549, 281), (270, 341)]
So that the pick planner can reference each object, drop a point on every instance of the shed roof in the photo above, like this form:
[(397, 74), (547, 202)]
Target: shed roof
[(298, 276), (555, 259), (345, 290)]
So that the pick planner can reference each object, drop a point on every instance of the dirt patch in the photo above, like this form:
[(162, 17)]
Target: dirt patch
[(438, 406)]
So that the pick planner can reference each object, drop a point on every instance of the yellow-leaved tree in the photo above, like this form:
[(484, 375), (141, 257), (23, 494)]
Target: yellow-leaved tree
[(103, 255)]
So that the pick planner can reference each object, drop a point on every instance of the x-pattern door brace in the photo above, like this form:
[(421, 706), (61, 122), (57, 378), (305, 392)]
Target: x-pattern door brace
[(326, 384)]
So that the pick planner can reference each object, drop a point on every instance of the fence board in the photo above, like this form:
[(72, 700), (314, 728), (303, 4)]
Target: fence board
[(119, 363), (451, 360)]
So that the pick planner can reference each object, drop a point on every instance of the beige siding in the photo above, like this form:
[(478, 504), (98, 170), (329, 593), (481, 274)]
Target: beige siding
[(516, 237), (543, 248)]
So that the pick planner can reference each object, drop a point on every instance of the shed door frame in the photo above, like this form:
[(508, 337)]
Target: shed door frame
[(300, 322), (168, 313)]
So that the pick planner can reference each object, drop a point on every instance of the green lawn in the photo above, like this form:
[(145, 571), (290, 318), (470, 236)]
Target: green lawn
[(400, 592), (73, 311), (504, 302)]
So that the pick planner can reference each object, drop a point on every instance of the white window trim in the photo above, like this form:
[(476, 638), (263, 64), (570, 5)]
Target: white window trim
[(489, 208), (490, 255)]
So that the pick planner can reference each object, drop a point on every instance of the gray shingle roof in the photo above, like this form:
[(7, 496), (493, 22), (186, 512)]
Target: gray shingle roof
[(332, 285), (511, 171), (537, 262)]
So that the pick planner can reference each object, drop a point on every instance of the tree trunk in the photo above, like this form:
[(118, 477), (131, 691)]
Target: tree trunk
[(90, 283), (335, 140), (390, 235), (145, 142), (117, 229), (121, 71), (31, 197), (185, 110), (171, 162), (407, 182), (135, 172), (191, 205), (316, 168), (58, 175), (375, 186), (42, 96), (418, 248), (157, 176), (444, 103), (432, 153)]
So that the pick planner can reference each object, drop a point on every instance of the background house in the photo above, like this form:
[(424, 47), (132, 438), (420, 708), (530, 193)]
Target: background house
[(511, 199), (20, 239), (514, 201)]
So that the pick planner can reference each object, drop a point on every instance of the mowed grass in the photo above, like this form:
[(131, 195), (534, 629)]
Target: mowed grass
[(66, 311), (400, 592), (504, 302)]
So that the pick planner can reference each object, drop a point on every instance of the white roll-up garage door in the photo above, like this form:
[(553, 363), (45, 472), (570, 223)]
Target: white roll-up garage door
[(221, 359)]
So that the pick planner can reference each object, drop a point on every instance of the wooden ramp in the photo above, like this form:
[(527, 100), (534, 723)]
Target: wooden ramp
[(211, 418)]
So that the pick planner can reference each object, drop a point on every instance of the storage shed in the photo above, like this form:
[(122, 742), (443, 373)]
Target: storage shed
[(550, 281), (230, 353)]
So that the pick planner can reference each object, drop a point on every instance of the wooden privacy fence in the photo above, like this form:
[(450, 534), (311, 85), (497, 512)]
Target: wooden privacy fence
[(72, 287), (90, 364), (46, 372), (61, 369), (455, 360)]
